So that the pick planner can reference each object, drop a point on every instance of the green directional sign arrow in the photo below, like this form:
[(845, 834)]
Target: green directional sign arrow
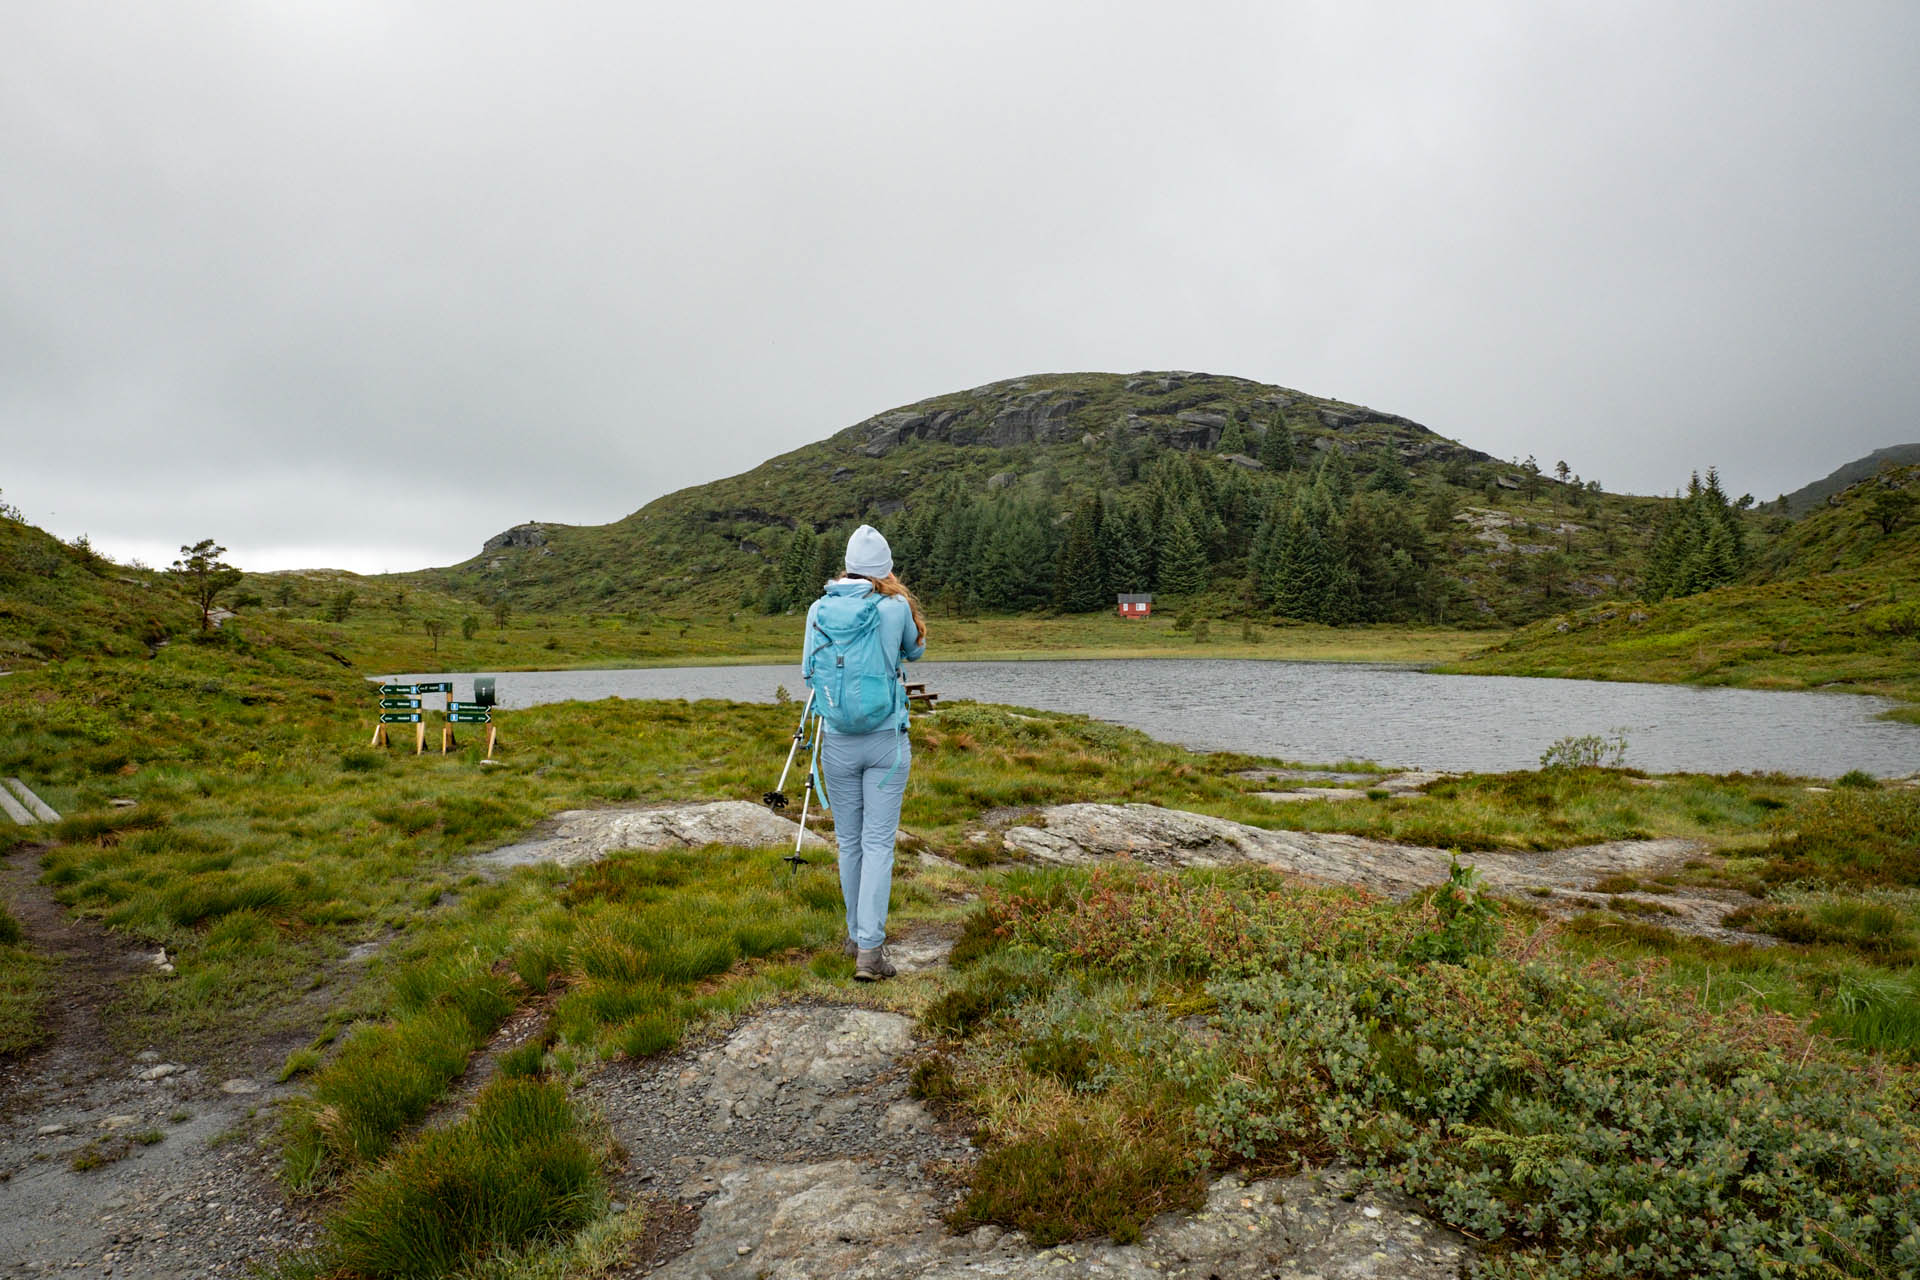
[(468, 706), (397, 688), (398, 717), (445, 686), (400, 704), (469, 717)]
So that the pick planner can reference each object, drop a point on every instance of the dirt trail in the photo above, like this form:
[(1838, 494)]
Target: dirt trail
[(181, 1181)]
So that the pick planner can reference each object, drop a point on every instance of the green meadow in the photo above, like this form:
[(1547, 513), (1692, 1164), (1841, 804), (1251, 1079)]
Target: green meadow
[(1458, 1046), (1587, 1095)]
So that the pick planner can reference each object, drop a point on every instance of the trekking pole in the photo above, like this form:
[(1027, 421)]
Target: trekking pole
[(776, 799), (794, 860)]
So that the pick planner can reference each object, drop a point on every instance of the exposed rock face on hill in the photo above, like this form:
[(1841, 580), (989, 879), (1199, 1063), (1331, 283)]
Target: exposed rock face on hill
[(521, 535), (1194, 413)]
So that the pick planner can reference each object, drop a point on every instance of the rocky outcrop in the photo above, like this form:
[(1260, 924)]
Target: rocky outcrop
[(520, 536), (1039, 418), (800, 1154), (579, 836), (857, 1222), (1083, 834)]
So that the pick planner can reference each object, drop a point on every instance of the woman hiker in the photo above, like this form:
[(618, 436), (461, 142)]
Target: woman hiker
[(858, 633)]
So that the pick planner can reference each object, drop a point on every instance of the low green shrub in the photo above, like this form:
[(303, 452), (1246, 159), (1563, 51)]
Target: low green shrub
[(1586, 751), (1584, 1119), (1598, 1131), (1849, 837)]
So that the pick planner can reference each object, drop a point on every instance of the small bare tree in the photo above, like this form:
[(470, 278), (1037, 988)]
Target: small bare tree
[(204, 576), (436, 627)]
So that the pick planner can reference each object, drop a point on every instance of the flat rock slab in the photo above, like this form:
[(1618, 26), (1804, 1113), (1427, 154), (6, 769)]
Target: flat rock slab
[(852, 1220), (1407, 783), (1084, 834), (579, 836), (797, 1145), (1302, 794), (913, 952)]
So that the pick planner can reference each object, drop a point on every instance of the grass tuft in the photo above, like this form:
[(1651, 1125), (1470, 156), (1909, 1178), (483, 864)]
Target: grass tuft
[(1102, 1172), (515, 1170)]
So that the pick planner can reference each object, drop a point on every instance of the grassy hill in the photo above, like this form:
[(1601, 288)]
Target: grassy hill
[(1807, 497), (1833, 601), (59, 601), (1481, 541)]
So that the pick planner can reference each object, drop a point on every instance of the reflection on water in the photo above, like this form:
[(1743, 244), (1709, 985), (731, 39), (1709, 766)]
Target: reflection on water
[(1316, 711)]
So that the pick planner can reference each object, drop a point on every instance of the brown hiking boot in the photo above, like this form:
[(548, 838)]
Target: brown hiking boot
[(872, 965), (850, 949)]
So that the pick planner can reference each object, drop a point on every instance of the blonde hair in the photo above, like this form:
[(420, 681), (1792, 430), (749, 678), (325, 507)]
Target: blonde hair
[(892, 586)]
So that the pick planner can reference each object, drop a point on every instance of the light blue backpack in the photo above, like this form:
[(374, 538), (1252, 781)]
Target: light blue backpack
[(855, 688)]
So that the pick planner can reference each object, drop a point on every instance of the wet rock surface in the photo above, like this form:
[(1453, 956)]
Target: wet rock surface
[(578, 836), (794, 1151), (1081, 834)]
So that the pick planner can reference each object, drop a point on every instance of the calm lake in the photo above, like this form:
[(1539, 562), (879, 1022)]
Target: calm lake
[(1323, 712)]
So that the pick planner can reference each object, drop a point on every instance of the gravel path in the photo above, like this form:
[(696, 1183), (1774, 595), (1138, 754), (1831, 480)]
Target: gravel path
[(145, 1164)]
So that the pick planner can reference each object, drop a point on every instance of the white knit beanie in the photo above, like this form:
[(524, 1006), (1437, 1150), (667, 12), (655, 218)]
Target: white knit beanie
[(868, 553)]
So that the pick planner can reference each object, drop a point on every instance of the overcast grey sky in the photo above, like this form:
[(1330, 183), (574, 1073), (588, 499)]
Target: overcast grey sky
[(360, 284)]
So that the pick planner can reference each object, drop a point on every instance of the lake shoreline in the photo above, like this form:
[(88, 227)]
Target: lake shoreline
[(1400, 714)]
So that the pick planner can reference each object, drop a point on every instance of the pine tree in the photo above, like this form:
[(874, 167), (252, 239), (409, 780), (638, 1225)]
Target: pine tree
[(1335, 474), (827, 555), (1182, 559), (1128, 553), (1700, 544), (1390, 475), (797, 581), (1233, 439), (1276, 448), (1080, 584), (1016, 563), (1303, 573)]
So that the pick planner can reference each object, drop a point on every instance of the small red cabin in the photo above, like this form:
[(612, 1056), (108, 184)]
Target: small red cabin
[(1136, 606)]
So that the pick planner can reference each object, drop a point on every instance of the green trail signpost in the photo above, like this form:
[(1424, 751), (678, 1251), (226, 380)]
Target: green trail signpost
[(467, 713), (400, 704)]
